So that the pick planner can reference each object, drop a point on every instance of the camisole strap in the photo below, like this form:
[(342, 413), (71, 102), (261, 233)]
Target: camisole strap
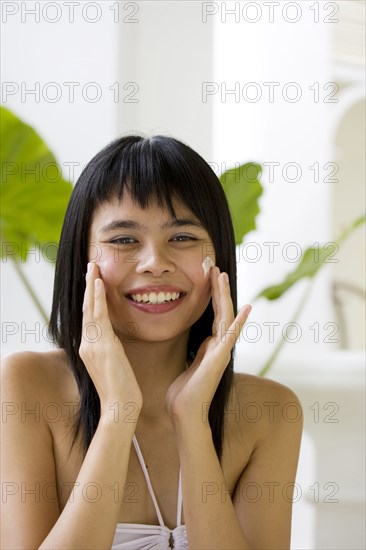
[(180, 500), (151, 491)]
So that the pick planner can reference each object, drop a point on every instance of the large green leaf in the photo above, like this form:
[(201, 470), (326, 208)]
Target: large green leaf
[(243, 189), (312, 260), (34, 195)]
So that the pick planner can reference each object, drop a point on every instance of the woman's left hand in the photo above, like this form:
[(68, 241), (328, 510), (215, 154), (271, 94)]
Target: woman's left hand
[(190, 395)]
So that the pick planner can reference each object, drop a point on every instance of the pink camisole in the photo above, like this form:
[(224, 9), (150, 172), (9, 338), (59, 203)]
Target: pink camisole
[(136, 536)]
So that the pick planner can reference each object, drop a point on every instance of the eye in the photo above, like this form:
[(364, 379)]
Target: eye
[(184, 238), (123, 240)]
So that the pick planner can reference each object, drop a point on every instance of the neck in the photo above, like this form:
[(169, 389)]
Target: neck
[(156, 365)]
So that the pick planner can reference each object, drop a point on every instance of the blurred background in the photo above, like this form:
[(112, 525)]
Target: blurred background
[(279, 83)]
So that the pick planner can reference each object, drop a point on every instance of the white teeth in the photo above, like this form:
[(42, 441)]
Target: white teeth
[(155, 298)]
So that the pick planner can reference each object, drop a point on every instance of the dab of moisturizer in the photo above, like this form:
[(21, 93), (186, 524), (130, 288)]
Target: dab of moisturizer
[(206, 265)]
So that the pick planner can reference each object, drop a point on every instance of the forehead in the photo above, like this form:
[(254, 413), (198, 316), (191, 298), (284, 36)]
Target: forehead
[(126, 208)]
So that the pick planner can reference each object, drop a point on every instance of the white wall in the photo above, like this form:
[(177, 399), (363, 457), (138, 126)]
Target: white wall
[(168, 54), (277, 130)]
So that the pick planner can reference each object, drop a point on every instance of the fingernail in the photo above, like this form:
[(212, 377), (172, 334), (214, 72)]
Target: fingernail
[(97, 284), (226, 278), (89, 267)]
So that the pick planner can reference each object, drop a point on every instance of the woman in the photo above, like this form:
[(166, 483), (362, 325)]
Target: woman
[(135, 432)]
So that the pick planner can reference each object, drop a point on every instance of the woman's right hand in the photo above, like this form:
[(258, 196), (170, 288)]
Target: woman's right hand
[(102, 352)]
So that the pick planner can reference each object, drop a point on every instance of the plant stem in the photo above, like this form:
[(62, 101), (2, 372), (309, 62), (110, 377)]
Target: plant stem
[(281, 341), (30, 290)]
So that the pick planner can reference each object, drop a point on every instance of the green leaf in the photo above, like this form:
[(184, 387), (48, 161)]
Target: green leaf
[(311, 262), (34, 195), (349, 229), (243, 189)]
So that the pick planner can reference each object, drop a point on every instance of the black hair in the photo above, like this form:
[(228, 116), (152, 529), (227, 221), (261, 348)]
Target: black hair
[(158, 168)]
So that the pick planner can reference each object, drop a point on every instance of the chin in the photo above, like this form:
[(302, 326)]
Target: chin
[(133, 333)]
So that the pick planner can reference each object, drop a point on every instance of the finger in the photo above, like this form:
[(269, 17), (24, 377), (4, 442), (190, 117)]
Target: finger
[(233, 332), (217, 358), (101, 314), (220, 355), (215, 272), (225, 309), (226, 303), (88, 303)]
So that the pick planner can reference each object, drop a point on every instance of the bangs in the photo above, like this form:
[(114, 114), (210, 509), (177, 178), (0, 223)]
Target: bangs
[(153, 171)]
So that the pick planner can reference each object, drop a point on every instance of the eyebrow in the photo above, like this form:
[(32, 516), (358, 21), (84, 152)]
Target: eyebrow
[(131, 224)]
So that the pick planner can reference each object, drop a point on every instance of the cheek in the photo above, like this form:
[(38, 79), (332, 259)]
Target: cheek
[(110, 270), (202, 282), (200, 268)]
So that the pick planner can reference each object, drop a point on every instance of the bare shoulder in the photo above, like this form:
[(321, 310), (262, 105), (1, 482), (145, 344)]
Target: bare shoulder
[(266, 404), (248, 386), (271, 426), (34, 385), (36, 374)]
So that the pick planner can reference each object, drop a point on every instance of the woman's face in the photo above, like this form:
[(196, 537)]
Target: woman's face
[(151, 266)]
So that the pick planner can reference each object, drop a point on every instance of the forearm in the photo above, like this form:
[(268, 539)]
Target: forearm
[(210, 518), (88, 520)]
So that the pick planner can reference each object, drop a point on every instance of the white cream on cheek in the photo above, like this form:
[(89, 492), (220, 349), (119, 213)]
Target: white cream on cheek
[(207, 264)]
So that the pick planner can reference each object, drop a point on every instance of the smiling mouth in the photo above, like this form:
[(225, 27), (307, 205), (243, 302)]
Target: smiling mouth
[(155, 297)]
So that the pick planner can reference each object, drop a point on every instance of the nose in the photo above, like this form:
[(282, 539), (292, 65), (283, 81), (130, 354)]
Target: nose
[(155, 260)]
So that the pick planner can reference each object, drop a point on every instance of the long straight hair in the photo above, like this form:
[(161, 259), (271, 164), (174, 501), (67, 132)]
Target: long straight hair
[(158, 169)]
